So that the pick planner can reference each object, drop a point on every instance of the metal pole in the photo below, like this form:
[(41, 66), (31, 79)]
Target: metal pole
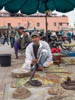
[(46, 23)]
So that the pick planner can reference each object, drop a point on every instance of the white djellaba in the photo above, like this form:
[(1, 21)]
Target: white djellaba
[(27, 65)]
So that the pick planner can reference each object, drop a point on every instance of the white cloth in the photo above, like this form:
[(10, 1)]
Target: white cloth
[(27, 65), (53, 34)]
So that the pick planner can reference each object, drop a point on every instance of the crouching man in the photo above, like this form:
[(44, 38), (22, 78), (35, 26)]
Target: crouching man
[(37, 52)]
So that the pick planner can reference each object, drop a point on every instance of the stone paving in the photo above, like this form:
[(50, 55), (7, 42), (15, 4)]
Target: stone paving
[(5, 72)]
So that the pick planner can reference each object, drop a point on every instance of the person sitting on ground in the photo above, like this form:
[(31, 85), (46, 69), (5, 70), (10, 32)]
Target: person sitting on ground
[(21, 42), (37, 52)]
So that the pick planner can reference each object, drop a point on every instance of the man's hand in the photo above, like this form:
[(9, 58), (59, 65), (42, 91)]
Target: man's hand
[(40, 68), (34, 61)]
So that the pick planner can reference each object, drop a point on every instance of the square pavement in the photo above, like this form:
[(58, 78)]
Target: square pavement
[(5, 72)]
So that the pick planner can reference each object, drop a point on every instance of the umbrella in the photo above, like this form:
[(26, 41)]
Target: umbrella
[(2, 3), (32, 6)]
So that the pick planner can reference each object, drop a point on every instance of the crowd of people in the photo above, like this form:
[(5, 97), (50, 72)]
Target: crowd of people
[(37, 51), (64, 34), (8, 36), (19, 39)]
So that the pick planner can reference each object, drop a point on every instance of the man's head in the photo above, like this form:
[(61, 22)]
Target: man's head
[(21, 29), (35, 38), (24, 33)]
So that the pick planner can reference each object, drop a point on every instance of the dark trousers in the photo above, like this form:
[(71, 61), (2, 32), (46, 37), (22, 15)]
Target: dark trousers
[(5, 40), (12, 41)]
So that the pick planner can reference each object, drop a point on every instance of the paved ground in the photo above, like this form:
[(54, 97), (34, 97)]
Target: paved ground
[(5, 72)]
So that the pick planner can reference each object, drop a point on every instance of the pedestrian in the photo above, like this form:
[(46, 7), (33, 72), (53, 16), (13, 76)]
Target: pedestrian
[(12, 36), (60, 35), (6, 37), (73, 35), (22, 41), (37, 52), (0, 37), (69, 36)]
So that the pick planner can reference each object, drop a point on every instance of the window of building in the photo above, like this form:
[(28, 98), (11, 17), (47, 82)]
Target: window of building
[(54, 23), (38, 24), (28, 24), (19, 25), (60, 24), (9, 24)]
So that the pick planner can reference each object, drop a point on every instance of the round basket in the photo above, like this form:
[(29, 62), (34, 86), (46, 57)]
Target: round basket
[(20, 73)]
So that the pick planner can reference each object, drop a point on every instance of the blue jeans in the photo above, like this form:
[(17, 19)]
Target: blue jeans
[(12, 41), (43, 57)]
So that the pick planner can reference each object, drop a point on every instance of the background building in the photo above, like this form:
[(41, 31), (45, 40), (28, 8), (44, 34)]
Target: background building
[(55, 23)]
